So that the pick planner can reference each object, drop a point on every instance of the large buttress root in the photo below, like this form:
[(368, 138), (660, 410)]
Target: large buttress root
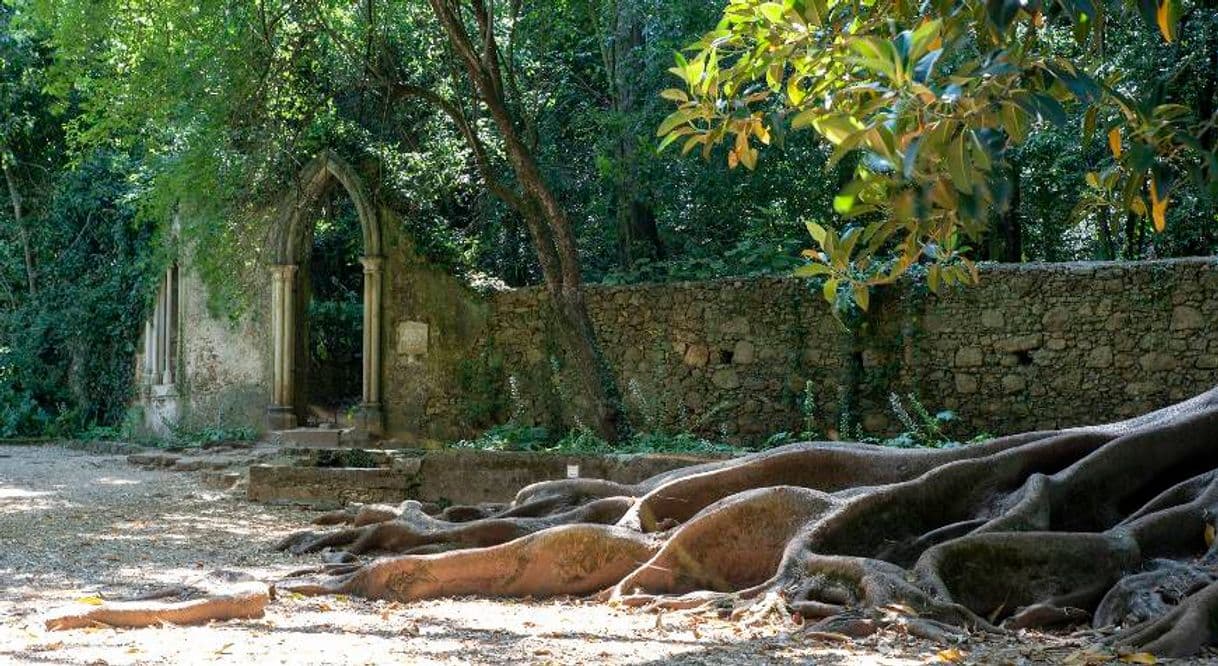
[(572, 559), (1110, 523)]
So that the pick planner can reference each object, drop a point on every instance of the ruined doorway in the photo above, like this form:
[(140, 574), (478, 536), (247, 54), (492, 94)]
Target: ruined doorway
[(327, 181), (330, 334)]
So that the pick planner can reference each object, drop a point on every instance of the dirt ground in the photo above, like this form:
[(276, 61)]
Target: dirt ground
[(75, 525)]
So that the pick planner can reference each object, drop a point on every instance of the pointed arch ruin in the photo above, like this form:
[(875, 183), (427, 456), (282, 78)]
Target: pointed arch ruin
[(287, 238)]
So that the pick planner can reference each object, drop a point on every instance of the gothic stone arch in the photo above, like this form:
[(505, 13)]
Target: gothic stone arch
[(286, 239)]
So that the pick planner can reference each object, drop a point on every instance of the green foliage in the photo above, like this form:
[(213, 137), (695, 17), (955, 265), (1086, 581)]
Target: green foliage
[(66, 355), (345, 458), (510, 437), (191, 436), (928, 100)]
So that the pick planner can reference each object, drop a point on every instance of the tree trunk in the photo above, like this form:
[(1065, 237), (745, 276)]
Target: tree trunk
[(547, 221), (19, 219), (637, 234), (1113, 523), (1107, 244), (1012, 226)]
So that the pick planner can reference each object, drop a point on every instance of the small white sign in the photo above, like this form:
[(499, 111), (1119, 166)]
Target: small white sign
[(572, 471)]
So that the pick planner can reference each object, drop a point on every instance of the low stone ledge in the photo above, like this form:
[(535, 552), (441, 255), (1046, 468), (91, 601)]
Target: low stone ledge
[(328, 487), (470, 477), (451, 476)]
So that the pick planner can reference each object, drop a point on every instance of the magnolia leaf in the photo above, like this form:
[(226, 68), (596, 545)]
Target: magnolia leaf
[(1158, 213), (1114, 142), (673, 120), (773, 11), (1167, 17), (830, 290), (862, 295), (811, 270), (748, 157), (1158, 206), (674, 94), (837, 127), (816, 231)]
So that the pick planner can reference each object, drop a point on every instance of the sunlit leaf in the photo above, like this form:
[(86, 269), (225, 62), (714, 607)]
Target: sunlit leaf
[(1114, 142)]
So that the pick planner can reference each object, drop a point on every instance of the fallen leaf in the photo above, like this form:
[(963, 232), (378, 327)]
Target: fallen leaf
[(92, 600), (1209, 536), (1139, 658), (950, 655)]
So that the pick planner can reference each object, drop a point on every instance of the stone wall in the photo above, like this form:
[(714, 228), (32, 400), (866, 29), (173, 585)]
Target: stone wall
[(1033, 346)]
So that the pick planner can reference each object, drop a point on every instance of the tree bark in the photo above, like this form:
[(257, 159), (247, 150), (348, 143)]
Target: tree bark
[(547, 221), (638, 236), (19, 219)]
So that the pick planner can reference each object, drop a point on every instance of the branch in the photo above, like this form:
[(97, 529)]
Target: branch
[(399, 89)]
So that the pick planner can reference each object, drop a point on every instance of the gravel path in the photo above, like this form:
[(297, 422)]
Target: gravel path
[(75, 525)]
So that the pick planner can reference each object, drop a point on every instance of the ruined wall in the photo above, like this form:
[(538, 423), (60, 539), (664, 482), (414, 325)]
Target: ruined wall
[(430, 325), (224, 378), (1034, 346)]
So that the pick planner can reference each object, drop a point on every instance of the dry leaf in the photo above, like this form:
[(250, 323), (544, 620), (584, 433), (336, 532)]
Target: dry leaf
[(1209, 536), (92, 600), (950, 655), (1139, 658)]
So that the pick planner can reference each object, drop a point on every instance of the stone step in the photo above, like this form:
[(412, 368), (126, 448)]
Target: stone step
[(313, 437)]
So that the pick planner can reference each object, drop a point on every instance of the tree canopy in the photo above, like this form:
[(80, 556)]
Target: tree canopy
[(933, 99)]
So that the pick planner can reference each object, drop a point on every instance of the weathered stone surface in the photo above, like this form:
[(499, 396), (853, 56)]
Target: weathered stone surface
[(966, 384), (1019, 343), (968, 357), (1013, 384), (1099, 357), (467, 477), (1157, 361), (992, 319), (696, 355), (328, 486), (1057, 318), (308, 437), (743, 353), (725, 378), (1186, 317)]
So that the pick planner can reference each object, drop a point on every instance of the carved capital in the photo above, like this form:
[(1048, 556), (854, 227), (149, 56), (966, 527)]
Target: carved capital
[(372, 264), (283, 271)]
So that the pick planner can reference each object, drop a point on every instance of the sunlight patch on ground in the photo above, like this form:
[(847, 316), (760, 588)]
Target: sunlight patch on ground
[(7, 493), (113, 481)]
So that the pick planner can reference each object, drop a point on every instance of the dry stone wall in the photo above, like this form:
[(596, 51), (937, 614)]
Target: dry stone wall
[(1033, 346)]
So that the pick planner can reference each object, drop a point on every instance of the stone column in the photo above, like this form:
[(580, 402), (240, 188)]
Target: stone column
[(373, 277), (167, 363), (280, 414), (148, 352), (158, 326)]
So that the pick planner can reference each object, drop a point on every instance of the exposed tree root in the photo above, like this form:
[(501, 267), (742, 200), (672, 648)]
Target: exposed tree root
[(1110, 524), (243, 601)]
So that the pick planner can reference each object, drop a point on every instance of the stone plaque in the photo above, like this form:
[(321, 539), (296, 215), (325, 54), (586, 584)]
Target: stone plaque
[(412, 338)]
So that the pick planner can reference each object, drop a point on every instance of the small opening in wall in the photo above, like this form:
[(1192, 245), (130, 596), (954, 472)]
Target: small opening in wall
[(725, 355), (1023, 357)]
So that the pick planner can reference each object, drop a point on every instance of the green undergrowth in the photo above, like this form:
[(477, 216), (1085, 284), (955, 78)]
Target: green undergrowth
[(921, 429), (512, 437)]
